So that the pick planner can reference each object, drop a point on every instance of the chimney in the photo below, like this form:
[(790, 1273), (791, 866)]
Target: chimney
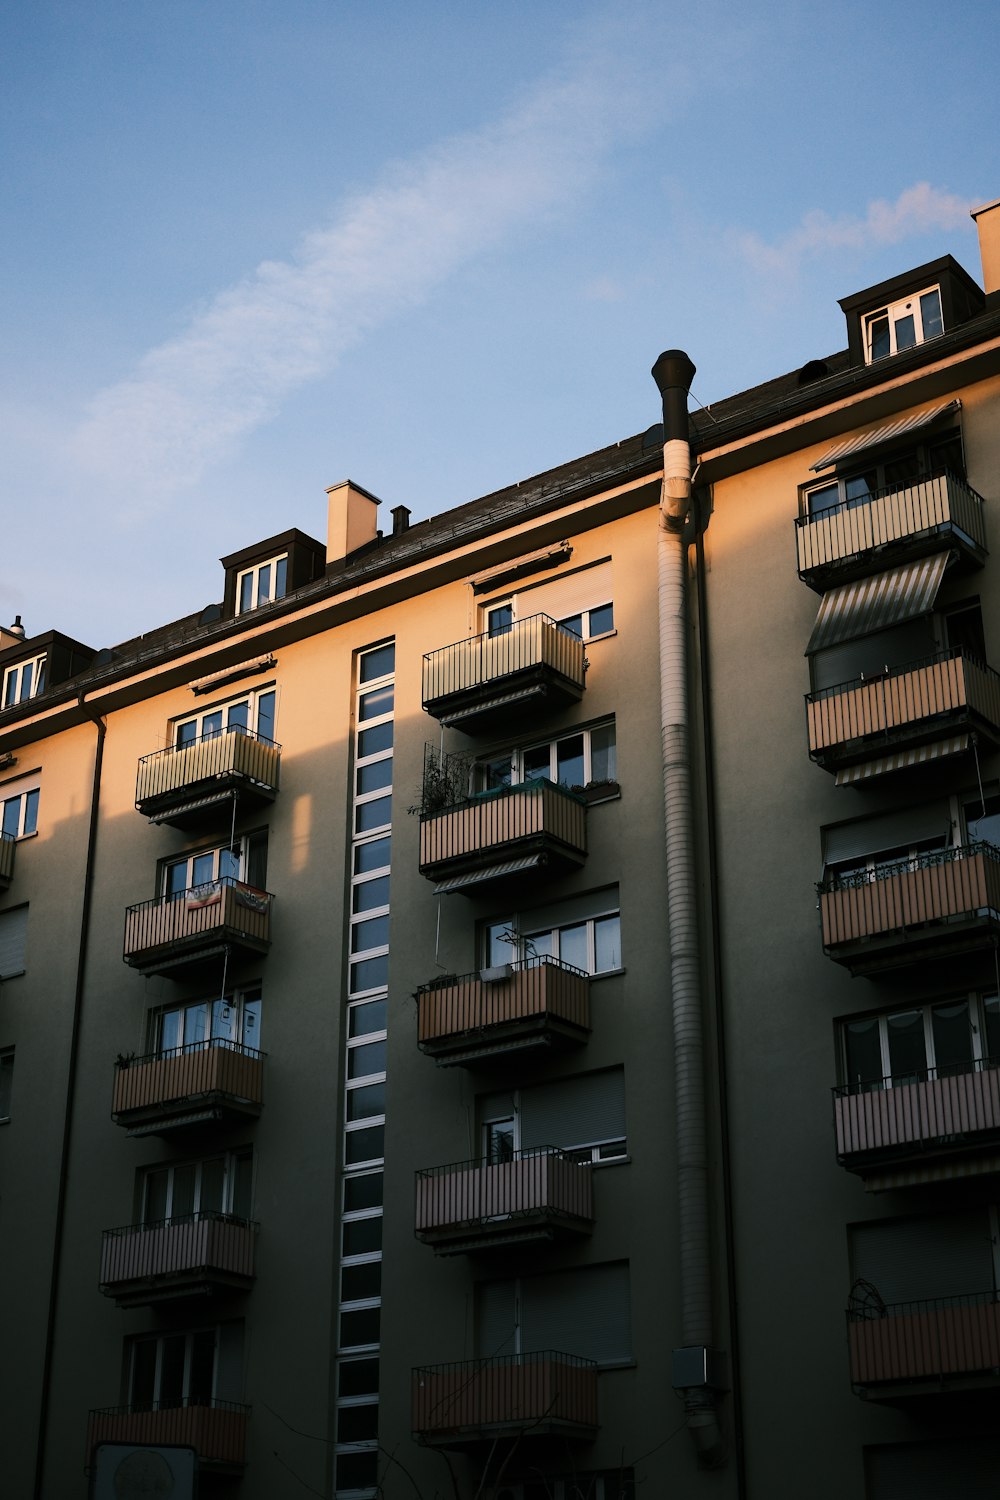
[(351, 517), (400, 519), (12, 635), (987, 219)]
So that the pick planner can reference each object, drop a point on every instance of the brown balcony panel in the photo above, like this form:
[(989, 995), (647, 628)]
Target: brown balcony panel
[(905, 707), (534, 825), (146, 1263), (7, 846), (183, 784), (216, 1430), (475, 1205), (180, 933), (852, 540), (931, 1119), (203, 1081), (943, 904), (539, 1003), (488, 680), (950, 1340), (473, 1401)]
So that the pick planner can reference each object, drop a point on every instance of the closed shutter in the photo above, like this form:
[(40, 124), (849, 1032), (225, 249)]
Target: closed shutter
[(13, 936), (894, 830), (565, 913), (916, 1260), (869, 656), (495, 1319), (584, 1312), (568, 595), (575, 1111), (934, 1471)]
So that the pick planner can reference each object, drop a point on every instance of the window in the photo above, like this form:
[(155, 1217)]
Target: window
[(589, 623), (585, 758), (253, 713), (232, 1018), (921, 1041), (13, 937), (584, 932), (875, 848), (246, 861), (218, 1184), (584, 1312), (176, 1369), (937, 1256), (584, 1115), (18, 812), (23, 681), (261, 583), (903, 324), (893, 471), (6, 1081)]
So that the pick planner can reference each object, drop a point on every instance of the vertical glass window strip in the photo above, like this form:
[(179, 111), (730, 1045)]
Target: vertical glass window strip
[(365, 1041)]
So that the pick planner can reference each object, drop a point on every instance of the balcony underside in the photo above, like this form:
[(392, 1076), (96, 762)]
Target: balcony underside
[(531, 1225), (192, 807), (907, 947), (193, 957), (475, 1436), (908, 736), (505, 700), (200, 1282), (482, 1044), (854, 565), (185, 1114), (931, 1129), (189, 1087)]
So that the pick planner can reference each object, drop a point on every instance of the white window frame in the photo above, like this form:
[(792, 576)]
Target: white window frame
[(230, 1167), (217, 855), (585, 632), (27, 813), (977, 1002), (893, 313), (13, 681), (246, 1023), (252, 701), (159, 1340), (254, 574), (522, 939), (515, 758)]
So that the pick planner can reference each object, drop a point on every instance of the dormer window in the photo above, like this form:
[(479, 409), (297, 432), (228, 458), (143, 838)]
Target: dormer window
[(901, 325), (23, 681), (262, 583)]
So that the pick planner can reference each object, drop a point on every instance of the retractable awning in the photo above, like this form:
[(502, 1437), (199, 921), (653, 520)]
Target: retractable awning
[(903, 758), (877, 602), (876, 436), (181, 809), (490, 872)]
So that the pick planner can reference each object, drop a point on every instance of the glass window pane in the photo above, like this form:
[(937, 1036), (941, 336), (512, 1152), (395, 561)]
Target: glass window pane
[(498, 1140), (862, 1051), (171, 1030), (195, 1023), (363, 1191), (202, 1365), (569, 761), (246, 592), (12, 816), (143, 1374), (373, 741), (375, 855), (361, 1327), (213, 1184), (951, 1025), (372, 932), (538, 763), (371, 894), (357, 1377), (238, 716), (374, 814), (367, 1018), (602, 619), (906, 333), (495, 773), (211, 724), (280, 577), (366, 1059), (500, 619), (357, 1471), (202, 868), (991, 1012), (223, 1019), (498, 947), (607, 944), (172, 1353), (251, 1021), (241, 1197), (264, 583), (176, 878), (907, 1053), (182, 1197), (365, 1101), (878, 337), (187, 733), (155, 1205), (265, 715), (370, 974), (982, 821), (374, 705), (362, 1236), (539, 945), (930, 314), (374, 776), (378, 663), (573, 946), (826, 498), (357, 1424), (364, 1145), (858, 489), (26, 675), (30, 812), (572, 625), (603, 756)]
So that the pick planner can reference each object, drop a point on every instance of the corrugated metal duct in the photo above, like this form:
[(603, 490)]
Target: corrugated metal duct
[(877, 436), (878, 602)]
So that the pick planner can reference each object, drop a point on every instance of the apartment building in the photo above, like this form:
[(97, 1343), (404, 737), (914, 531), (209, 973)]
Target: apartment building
[(508, 1007)]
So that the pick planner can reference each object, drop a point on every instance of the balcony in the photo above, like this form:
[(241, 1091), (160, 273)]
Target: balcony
[(535, 1003), (859, 537), (476, 1400), (216, 1430), (950, 1341), (177, 935), (8, 844), (904, 707), (488, 680), (929, 906), (202, 1253), (541, 1194), (190, 1085), (497, 834), (928, 1123), (184, 784)]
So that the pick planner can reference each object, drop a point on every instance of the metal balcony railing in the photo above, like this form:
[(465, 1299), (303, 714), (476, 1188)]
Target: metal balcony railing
[(904, 1116), (533, 657), (937, 1339), (903, 704), (215, 1429), (923, 512), (540, 1393), (199, 1247), (530, 997), (8, 844), (226, 758), (202, 917), (542, 1189), (163, 1083)]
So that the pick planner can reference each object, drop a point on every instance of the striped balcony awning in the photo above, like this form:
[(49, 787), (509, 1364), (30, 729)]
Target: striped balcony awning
[(195, 804), (490, 872), (888, 432), (878, 602), (949, 1169), (915, 756)]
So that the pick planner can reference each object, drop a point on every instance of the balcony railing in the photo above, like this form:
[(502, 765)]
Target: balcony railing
[(931, 904), (520, 827), (530, 664), (201, 1081), (471, 1205), (216, 1430), (476, 1399), (145, 1263), (917, 1119), (8, 844), (533, 1002), (170, 781), (943, 1339), (182, 930), (842, 541), (902, 706)]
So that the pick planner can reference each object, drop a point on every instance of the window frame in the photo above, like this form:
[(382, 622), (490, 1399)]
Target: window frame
[(15, 674), (977, 1001), (929, 456), (28, 803), (159, 1340), (911, 304), (254, 573), (238, 1000), (486, 778), (230, 1160), (239, 850), (251, 698), (523, 935)]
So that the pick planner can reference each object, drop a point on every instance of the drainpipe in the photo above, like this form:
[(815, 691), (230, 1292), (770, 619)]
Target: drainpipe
[(694, 1362)]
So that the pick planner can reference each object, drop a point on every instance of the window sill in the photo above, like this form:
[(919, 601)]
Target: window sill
[(606, 635), (607, 974), (611, 1161)]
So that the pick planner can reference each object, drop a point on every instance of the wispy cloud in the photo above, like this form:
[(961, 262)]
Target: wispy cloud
[(917, 209), (192, 398)]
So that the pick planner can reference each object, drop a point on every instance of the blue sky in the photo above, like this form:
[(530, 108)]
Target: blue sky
[(252, 247)]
